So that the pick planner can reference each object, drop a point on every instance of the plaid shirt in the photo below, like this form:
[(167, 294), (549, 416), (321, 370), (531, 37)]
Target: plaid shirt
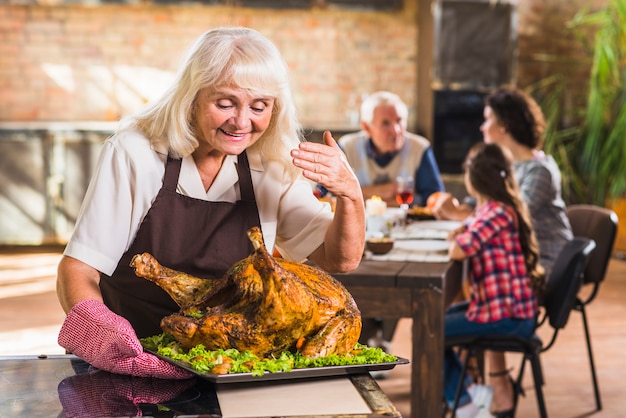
[(499, 283)]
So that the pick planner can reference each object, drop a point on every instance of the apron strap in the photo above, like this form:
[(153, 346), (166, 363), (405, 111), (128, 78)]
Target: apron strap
[(172, 171), (245, 179)]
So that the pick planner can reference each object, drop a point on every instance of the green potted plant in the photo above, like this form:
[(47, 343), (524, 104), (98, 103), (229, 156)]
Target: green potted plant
[(591, 147), (603, 132)]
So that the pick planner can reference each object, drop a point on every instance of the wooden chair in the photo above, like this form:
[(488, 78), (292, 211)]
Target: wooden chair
[(600, 225), (559, 300)]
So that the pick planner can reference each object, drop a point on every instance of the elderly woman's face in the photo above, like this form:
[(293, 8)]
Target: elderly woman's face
[(230, 120)]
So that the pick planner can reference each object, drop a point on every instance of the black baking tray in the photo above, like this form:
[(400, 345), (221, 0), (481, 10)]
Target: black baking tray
[(293, 374)]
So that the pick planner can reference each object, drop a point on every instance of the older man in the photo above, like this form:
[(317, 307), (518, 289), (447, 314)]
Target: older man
[(384, 150)]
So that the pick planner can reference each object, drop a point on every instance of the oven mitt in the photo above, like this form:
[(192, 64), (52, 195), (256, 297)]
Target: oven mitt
[(107, 341), (103, 394)]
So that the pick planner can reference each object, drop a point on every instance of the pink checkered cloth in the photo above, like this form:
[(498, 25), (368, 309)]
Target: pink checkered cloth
[(107, 341)]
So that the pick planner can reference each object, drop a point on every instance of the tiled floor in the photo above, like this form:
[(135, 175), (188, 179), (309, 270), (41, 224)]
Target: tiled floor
[(30, 317)]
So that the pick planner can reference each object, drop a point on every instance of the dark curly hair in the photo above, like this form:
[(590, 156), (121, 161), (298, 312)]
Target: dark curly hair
[(520, 115)]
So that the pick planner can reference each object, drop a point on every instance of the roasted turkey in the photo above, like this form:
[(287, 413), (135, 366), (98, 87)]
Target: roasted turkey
[(263, 304)]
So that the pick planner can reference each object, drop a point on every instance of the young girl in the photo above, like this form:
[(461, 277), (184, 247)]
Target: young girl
[(499, 241)]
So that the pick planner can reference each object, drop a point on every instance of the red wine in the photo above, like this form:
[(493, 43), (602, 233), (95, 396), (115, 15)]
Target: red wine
[(405, 197)]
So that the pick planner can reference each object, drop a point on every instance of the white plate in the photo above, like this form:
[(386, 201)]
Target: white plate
[(422, 245), (412, 233), (441, 225)]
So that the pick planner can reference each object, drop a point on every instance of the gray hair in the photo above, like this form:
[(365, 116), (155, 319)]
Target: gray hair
[(381, 98), (234, 56)]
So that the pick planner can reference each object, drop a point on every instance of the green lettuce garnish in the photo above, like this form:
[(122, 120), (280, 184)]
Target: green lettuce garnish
[(205, 361)]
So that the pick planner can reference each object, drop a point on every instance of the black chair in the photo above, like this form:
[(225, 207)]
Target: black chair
[(559, 300), (600, 225)]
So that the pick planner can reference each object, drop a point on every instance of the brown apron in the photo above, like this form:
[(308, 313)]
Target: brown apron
[(195, 236)]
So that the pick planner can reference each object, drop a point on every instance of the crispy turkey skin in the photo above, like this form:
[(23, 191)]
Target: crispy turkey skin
[(263, 304)]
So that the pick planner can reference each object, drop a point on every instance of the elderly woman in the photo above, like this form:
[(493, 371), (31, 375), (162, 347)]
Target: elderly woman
[(184, 179)]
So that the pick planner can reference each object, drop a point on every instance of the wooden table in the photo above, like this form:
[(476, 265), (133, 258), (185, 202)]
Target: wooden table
[(411, 290)]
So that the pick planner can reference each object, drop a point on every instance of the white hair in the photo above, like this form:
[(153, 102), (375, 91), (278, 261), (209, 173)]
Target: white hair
[(233, 56), (382, 98)]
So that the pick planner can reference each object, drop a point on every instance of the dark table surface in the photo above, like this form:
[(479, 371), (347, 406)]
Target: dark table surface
[(65, 386)]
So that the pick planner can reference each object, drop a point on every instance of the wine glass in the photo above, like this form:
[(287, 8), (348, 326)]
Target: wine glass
[(404, 195), (404, 191)]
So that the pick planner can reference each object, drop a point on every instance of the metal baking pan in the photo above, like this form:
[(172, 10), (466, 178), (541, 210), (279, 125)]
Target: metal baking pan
[(293, 374)]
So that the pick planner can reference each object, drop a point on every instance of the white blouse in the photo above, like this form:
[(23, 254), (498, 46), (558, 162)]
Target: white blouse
[(129, 174)]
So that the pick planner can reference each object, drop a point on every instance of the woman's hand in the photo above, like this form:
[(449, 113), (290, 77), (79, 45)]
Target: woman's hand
[(96, 334), (327, 165), (448, 207), (455, 232), (445, 206), (107, 341)]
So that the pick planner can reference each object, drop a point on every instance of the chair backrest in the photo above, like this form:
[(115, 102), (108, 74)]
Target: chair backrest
[(565, 280), (600, 225)]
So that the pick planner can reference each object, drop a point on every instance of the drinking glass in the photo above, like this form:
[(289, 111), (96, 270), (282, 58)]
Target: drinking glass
[(404, 191), (404, 195)]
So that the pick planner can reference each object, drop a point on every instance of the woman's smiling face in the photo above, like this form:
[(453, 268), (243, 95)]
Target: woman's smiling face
[(230, 119)]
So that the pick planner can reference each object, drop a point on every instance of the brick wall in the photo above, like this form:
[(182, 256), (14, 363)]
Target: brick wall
[(81, 62)]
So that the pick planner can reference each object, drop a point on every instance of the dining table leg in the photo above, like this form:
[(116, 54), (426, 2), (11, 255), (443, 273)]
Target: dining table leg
[(409, 290), (427, 354)]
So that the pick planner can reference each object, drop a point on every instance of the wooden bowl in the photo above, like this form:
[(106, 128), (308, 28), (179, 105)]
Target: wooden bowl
[(379, 245)]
